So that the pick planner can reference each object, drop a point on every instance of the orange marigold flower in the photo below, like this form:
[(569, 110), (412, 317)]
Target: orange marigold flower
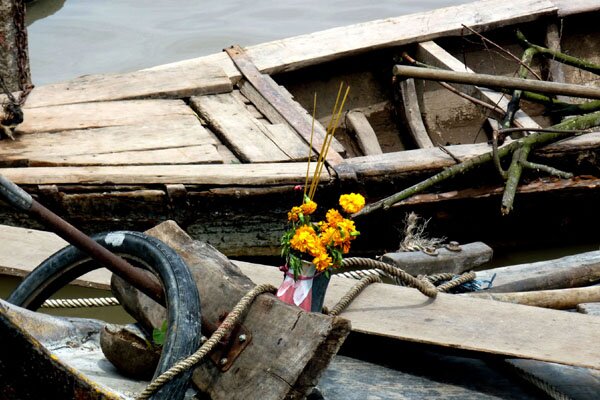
[(348, 227), (322, 261), (333, 216), (308, 207), (352, 203), (293, 214), (304, 239)]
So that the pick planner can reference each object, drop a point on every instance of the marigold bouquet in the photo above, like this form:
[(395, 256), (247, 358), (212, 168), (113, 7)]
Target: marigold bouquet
[(324, 242)]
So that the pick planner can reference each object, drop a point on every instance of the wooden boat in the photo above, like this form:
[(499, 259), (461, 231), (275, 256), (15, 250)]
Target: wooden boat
[(218, 143)]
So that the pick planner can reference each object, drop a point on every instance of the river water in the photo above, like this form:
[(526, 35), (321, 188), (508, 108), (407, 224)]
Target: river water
[(77, 37)]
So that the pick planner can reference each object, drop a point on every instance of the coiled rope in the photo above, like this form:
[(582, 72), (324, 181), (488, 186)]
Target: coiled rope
[(232, 319), (422, 285)]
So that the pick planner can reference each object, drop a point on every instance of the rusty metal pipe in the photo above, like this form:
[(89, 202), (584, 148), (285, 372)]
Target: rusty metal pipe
[(21, 200)]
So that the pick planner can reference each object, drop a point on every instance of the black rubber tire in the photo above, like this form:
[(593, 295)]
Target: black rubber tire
[(181, 293)]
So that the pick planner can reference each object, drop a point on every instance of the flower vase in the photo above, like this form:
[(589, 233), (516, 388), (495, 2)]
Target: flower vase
[(307, 290)]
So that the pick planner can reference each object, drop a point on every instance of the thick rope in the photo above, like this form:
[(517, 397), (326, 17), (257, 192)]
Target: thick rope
[(422, 285), (81, 303), (359, 274), (464, 278), (352, 293), (443, 276), (228, 324)]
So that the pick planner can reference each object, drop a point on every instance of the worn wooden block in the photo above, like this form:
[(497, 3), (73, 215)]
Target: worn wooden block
[(289, 349), (419, 263)]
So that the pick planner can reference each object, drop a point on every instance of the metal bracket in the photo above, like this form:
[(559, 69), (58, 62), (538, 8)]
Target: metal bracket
[(229, 349)]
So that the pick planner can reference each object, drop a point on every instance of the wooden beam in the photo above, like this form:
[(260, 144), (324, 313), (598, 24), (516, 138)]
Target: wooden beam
[(412, 114), (365, 135), (433, 54), (206, 174), (12, 15)]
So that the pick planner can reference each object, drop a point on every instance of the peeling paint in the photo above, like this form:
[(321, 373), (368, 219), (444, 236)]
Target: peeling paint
[(114, 239)]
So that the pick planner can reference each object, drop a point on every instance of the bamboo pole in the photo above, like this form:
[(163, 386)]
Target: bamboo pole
[(493, 81)]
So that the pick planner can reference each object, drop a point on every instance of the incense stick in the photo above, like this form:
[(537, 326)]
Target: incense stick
[(312, 131), (330, 131)]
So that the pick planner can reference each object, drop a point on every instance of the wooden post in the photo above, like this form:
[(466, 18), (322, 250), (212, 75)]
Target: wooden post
[(14, 60)]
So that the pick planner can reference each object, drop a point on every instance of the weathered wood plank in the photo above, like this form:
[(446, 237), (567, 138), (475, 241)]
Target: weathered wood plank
[(287, 140), (433, 54), (412, 114), (365, 135), (282, 103), (169, 141), (275, 117), (97, 115), (246, 136), (209, 174), (170, 83), (455, 321)]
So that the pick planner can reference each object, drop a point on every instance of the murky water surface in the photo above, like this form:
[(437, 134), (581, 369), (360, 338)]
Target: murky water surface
[(77, 37)]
